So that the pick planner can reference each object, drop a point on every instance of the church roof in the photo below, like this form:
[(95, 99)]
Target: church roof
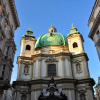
[(51, 38), (29, 33), (73, 30)]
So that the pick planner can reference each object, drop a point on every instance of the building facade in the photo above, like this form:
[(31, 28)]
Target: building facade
[(53, 67), (97, 88), (8, 24), (94, 25)]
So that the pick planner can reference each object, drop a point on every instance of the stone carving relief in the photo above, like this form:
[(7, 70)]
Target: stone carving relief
[(26, 69), (78, 66)]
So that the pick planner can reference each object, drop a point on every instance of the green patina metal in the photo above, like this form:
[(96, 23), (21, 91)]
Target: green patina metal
[(73, 30), (51, 39), (29, 33)]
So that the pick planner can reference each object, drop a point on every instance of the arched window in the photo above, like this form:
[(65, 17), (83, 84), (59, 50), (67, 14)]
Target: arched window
[(82, 97), (51, 70), (75, 45), (28, 47)]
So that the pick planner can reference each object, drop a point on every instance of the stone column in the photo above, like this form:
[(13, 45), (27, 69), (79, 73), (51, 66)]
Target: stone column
[(90, 94), (19, 71), (39, 68), (18, 96), (32, 95), (71, 94)]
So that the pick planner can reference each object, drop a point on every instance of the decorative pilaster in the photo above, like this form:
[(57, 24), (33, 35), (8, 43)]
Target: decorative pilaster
[(63, 67)]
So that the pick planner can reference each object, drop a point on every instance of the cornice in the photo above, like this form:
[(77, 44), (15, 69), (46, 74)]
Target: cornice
[(80, 55), (58, 81), (97, 2), (75, 35), (14, 12), (97, 85), (88, 80), (42, 81), (4, 85), (51, 55), (24, 58), (27, 38), (95, 26)]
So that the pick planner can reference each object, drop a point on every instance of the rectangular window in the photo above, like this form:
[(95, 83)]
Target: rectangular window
[(0, 17), (2, 73), (52, 70), (7, 51), (3, 70), (98, 33), (4, 67)]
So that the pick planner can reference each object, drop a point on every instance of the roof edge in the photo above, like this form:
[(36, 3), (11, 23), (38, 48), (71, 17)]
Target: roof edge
[(14, 12), (92, 12)]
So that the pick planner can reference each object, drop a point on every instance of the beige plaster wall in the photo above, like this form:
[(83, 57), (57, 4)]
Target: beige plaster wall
[(24, 52)]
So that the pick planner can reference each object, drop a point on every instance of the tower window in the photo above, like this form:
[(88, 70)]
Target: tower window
[(75, 45), (28, 47), (51, 70)]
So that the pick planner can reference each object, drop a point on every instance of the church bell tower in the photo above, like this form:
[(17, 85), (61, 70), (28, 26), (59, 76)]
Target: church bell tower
[(75, 41), (25, 60)]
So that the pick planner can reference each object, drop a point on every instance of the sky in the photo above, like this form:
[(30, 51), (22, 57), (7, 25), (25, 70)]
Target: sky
[(40, 14)]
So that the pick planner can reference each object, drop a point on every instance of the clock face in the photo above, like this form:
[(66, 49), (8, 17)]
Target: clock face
[(51, 59)]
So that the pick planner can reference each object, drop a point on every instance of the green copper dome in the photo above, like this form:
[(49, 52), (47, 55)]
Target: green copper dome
[(51, 38)]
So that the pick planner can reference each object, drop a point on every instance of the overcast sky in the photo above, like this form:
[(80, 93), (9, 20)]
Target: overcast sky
[(40, 14)]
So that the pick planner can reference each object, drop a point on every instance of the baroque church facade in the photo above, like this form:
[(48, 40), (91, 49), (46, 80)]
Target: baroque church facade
[(53, 67)]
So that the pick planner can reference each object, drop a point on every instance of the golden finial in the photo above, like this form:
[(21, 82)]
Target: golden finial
[(51, 25), (72, 25), (29, 29)]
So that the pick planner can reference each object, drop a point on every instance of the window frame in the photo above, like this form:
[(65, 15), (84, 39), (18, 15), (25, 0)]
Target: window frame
[(75, 45), (54, 62), (50, 70), (98, 33), (28, 46)]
